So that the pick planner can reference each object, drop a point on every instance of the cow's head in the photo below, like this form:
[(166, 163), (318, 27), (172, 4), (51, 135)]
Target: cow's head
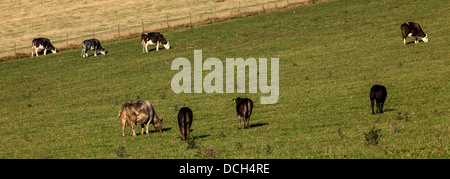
[(158, 125), (167, 45), (53, 49), (102, 50), (425, 39)]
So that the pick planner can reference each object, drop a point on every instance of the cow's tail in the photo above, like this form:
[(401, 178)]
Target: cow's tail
[(120, 112)]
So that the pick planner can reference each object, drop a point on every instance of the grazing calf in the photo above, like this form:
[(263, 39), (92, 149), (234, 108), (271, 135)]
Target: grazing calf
[(412, 29), (41, 43), (378, 93), (153, 38), (244, 107), (185, 121), (139, 112), (92, 44)]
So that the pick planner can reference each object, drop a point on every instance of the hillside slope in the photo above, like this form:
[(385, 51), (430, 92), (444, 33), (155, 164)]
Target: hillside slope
[(64, 106)]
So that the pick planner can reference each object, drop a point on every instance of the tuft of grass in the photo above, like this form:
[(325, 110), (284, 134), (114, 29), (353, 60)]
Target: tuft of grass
[(372, 137)]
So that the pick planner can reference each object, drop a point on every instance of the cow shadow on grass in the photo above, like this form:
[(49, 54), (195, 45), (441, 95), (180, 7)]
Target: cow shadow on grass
[(412, 42), (154, 49), (258, 124), (154, 131), (388, 109)]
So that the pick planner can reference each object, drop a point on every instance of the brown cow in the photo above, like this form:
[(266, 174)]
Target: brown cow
[(244, 107), (139, 112), (185, 122)]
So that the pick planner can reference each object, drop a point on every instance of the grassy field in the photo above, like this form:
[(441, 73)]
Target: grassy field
[(331, 53)]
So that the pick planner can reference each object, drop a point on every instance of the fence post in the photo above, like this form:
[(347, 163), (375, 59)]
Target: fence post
[(14, 48), (190, 19), (287, 1), (167, 21), (262, 2), (93, 33), (239, 8), (142, 25), (118, 29), (67, 40), (214, 18)]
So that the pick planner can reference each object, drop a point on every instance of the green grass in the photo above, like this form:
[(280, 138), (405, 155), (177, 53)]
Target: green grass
[(63, 106)]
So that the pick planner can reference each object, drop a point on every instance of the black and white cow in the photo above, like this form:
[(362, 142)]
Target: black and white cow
[(92, 44), (412, 29), (153, 38), (41, 43)]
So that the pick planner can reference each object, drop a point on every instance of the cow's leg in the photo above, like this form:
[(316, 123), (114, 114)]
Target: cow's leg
[(37, 54), (123, 127), (142, 129), (371, 102), (146, 127), (45, 51), (143, 47), (239, 119), (381, 106), (132, 129), (95, 51), (404, 41), (378, 106), (32, 51), (248, 121), (417, 39), (188, 129), (146, 48), (183, 131), (157, 46)]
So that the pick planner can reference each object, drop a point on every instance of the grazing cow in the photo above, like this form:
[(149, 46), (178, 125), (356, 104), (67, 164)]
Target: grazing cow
[(139, 112), (92, 44), (412, 29), (378, 93), (244, 107), (41, 43), (153, 38), (185, 121)]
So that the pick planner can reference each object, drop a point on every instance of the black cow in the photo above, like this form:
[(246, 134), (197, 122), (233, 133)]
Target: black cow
[(153, 38), (244, 107), (412, 29), (92, 44), (185, 122), (378, 93), (41, 43)]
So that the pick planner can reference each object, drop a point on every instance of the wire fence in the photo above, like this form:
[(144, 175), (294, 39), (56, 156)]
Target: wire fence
[(185, 19)]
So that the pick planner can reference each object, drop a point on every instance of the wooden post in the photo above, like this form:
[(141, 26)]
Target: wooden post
[(239, 8), (190, 19), (167, 21), (118, 29), (142, 25), (93, 33), (262, 2), (287, 1), (214, 18), (67, 40), (14, 48)]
